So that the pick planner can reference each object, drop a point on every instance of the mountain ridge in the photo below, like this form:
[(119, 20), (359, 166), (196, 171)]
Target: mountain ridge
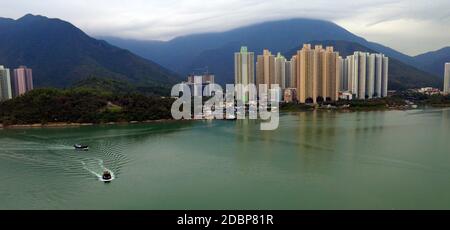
[(433, 61), (292, 32), (61, 54)]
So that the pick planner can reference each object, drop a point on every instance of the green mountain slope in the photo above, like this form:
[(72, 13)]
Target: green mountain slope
[(61, 55)]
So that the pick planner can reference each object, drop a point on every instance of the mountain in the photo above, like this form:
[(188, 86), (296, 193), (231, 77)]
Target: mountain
[(183, 54), (433, 62), (61, 55), (401, 75)]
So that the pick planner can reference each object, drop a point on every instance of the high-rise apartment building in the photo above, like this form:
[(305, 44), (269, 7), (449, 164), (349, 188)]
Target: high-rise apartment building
[(22, 80), (447, 78), (288, 74), (293, 72), (385, 77), (244, 70), (318, 74), (319, 87), (306, 75), (280, 71), (370, 76), (330, 74), (5, 84), (265, 69), (367, 75), (349, 66), (342, 73), (378, 74), (362, 72)]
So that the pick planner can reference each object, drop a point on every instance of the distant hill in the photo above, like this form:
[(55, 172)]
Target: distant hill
[(215, 50), (433, 62), (184, 54), (401, 75), (61, 55)]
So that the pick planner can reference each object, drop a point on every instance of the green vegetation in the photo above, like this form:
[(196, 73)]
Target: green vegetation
[(291, 107), (121, 87), (436, 100), (353, 105), (82, 105), (373, 104), (400, 100)]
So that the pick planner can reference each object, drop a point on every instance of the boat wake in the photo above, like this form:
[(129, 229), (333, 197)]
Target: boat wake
[(97, 168)]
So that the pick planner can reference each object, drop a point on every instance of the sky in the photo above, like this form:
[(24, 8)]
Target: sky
[(409, 26)]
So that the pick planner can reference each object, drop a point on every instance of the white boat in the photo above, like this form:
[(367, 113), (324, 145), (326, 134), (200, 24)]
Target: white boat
[(81, 147)]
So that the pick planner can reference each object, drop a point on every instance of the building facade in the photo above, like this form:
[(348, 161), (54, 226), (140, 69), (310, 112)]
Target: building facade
[(290, 95), (22, 80), (305, 74), (366, 75), (318, 74), (244, 70), (265, 69), (447, 78), (370, 76), (330, 75), (198, 83), (385, 77), (292, 72), (5, 84), (342, 72), (288, 74), (280, 71)]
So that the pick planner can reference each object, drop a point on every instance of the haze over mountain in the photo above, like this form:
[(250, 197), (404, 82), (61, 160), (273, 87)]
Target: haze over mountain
[(61, 55), (433, 62), (275, 35), (215, 50)]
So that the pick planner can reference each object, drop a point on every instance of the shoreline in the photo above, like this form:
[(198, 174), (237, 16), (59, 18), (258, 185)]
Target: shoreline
[(74, 125)]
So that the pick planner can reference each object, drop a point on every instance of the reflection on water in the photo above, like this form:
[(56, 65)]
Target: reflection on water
[(45, 161), (315, 160), (96, 167)]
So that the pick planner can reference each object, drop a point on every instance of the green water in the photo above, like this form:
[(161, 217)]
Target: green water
[(315, 160)]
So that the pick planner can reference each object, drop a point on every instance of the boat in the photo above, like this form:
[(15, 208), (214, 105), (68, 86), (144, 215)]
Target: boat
[(231, 118), (81, 147), (107, 177)]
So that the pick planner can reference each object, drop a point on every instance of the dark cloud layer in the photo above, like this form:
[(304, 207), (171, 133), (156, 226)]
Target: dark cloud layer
[(411, 26)]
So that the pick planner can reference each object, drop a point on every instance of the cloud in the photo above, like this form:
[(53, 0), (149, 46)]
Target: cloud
[(411, 26)]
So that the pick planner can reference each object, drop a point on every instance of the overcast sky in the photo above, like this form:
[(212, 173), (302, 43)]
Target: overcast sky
[(410, 26)]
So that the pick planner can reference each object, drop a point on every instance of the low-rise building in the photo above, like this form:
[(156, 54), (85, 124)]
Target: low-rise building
[(429, 91), (197, 83), (290, 95), (346, 95)]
